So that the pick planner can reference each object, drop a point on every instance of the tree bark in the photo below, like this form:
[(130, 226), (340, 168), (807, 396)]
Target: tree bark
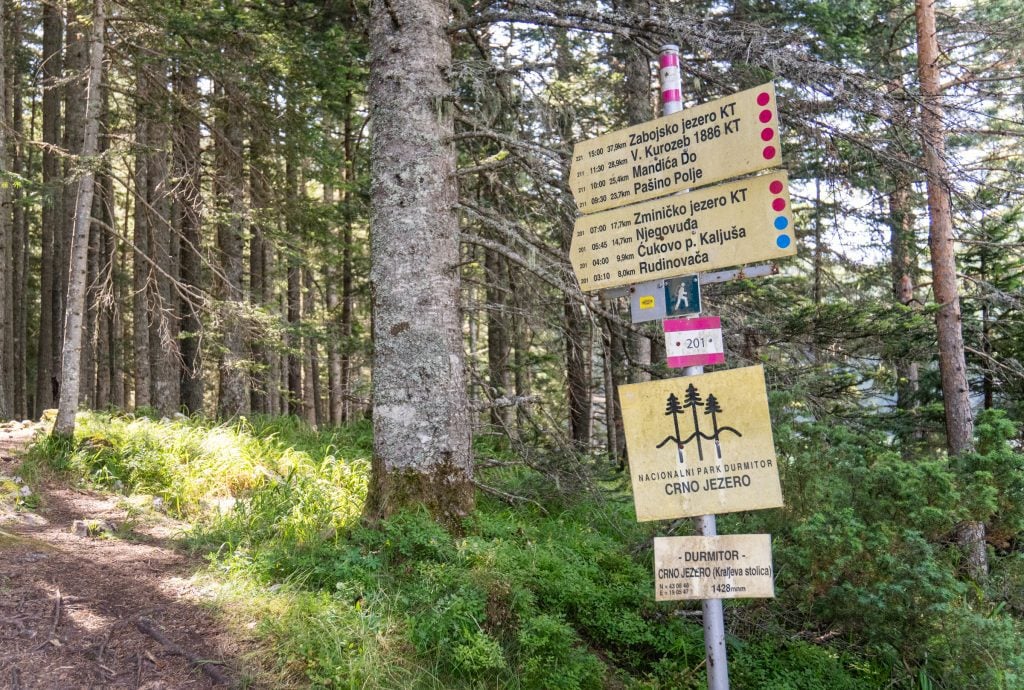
[(20, 239), (422, 453), (49, 323), (499, 343), (332, 303), (233, 396), (316, 401), (347, 272), (293, 339), (260, 203), (65, 424), (576, 324), (952, 361), (903, 249), (165, 387), (141, 269), (6, 239), (188, 203)]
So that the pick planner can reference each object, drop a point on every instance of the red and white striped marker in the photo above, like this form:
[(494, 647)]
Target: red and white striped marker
[(671, 82), (694, 342)]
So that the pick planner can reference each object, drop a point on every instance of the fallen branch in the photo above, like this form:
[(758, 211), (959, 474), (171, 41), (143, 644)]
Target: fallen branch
[(208, 667), (507, 497), (53, 626)]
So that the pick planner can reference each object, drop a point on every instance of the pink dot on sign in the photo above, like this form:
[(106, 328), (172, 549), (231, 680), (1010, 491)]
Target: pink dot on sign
[(669, 60), (767, 133), (765, 116), (763, 98), (671, 96), (769, 152), (778, 204), (775, 187)]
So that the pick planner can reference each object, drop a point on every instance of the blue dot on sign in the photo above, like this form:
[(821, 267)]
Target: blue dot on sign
[(782, 241), (781, 223)]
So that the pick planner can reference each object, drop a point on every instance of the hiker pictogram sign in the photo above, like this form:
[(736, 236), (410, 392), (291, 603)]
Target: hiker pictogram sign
[(700, 445)]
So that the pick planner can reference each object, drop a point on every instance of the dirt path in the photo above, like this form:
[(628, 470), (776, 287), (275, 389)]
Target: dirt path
[(107, 611)]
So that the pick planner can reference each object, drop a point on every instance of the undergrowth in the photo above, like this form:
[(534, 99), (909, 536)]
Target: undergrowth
[(559, 593)]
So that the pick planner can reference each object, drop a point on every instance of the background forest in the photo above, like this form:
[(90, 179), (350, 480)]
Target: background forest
[(227, 331)]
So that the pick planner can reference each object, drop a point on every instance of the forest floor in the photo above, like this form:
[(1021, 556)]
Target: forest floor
[(94, 594)]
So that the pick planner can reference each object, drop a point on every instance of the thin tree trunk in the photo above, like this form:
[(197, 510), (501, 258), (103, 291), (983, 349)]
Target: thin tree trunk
[(312, 349), (65, 424), (332, 303), (260, 203), (499, 346), (107, 264), (19, 294), (233, 397), (422, 453), (141, 269), (87, 376), (636, 93), (952, 361), (188, 203), (6, 232), (293, 340), (347, 273), (904, 277), (296, 399), (165, 387), (52, 67), (576, 325), (522, 368)]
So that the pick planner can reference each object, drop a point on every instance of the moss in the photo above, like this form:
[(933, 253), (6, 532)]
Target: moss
[(447, 492)]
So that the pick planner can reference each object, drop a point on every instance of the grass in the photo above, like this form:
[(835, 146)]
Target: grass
[(556, 594)]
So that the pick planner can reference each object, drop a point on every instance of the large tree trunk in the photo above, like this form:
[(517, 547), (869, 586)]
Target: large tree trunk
[(188, 201), (952, 362), (49, 284), (72, 355), (422, 453), (76, 64)]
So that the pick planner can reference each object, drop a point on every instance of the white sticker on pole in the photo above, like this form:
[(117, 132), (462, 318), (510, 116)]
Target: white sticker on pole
[(728, 566), (694, 342)]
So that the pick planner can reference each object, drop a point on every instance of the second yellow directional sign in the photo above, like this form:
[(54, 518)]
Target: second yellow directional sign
[(700, 445), (707, 143), (716, 227)]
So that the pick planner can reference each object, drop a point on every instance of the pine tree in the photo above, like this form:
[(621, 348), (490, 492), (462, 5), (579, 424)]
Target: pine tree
[(711, 407), (693, 401)]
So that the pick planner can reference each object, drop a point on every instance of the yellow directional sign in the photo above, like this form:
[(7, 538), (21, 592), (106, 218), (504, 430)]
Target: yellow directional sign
[(700, 445), (697, 146), (723, 567), (715, 227)]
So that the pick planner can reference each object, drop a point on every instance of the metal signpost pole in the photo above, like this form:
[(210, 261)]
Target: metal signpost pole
[(714, 618)]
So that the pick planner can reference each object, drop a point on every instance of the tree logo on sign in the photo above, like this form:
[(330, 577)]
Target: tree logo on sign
[(692, 401)]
